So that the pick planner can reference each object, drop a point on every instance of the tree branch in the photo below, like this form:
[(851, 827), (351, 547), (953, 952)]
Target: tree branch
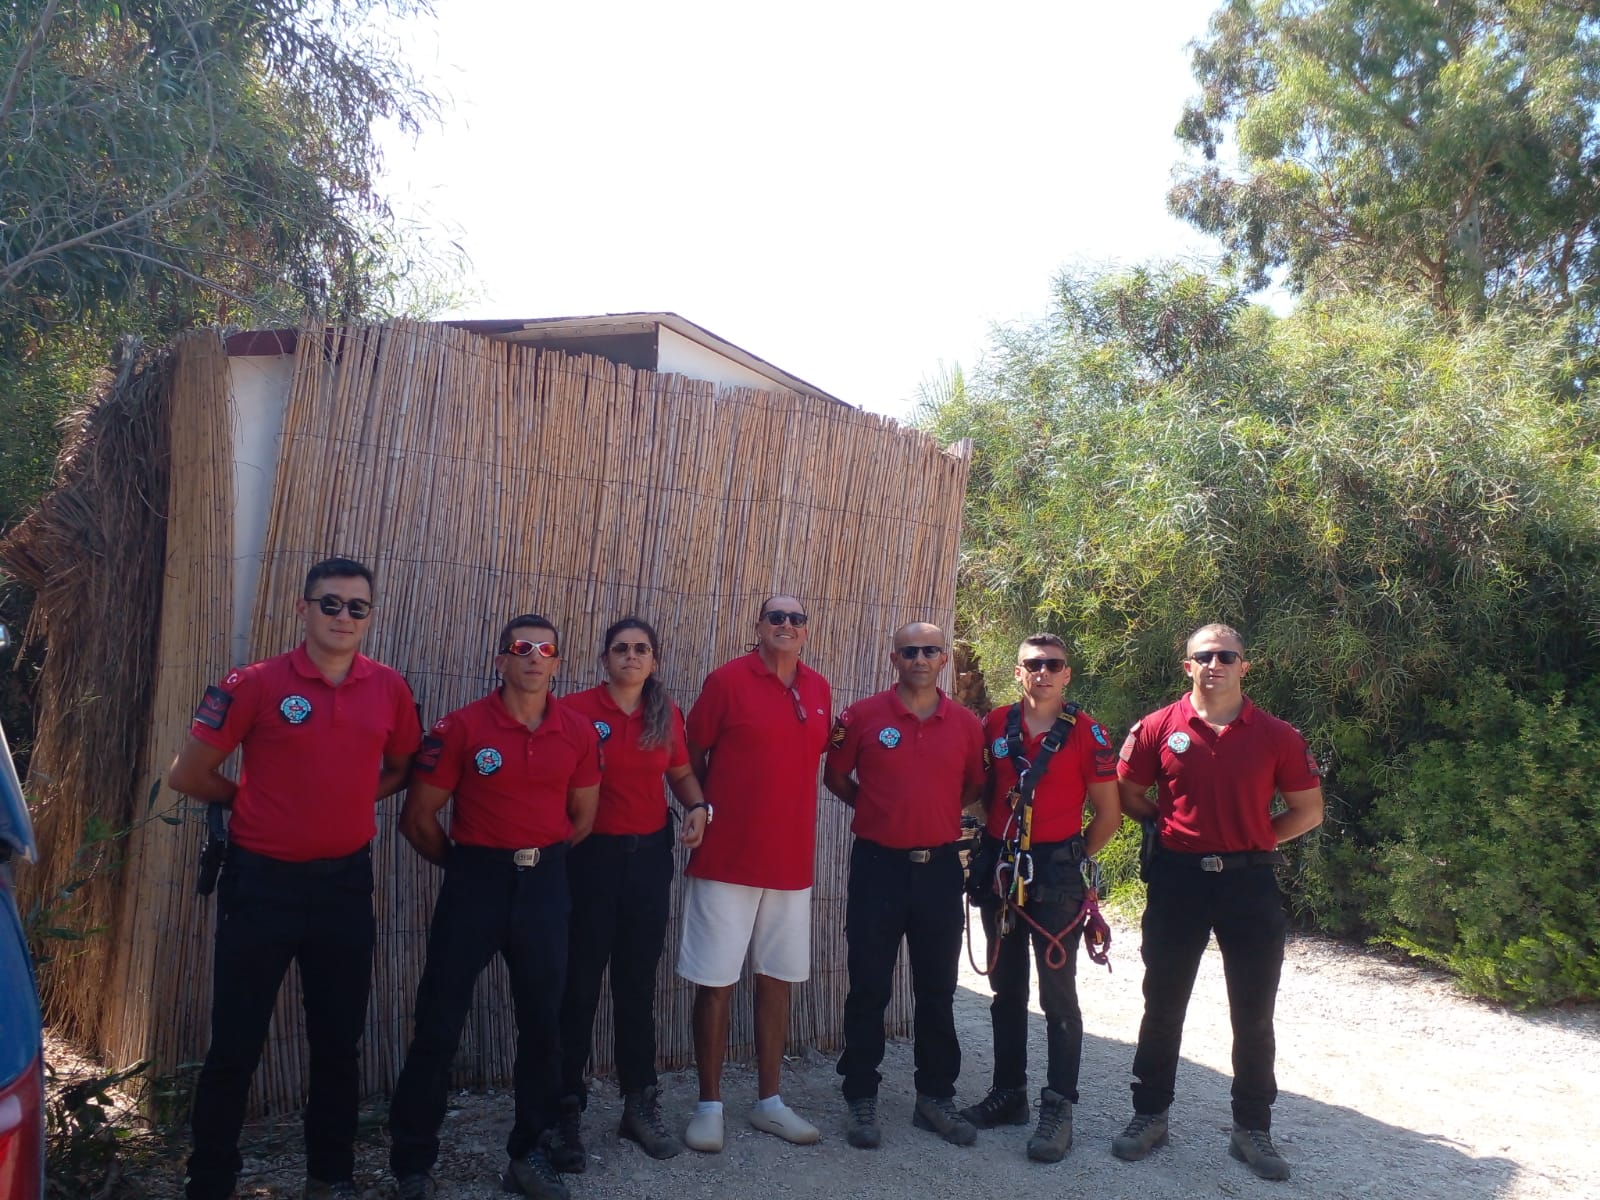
[(14, 84)]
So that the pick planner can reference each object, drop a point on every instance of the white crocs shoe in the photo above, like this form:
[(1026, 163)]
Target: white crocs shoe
[(704, 1132), (786, 1123)]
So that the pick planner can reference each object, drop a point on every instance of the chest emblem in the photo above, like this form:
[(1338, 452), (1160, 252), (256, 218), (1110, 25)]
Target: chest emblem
[(602, 729), (487, 760), (889, 737), (295, 709), (1178, 742), (1001, 748)]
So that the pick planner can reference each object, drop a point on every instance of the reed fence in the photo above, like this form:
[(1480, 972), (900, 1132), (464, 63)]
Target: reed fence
[(480, 478)]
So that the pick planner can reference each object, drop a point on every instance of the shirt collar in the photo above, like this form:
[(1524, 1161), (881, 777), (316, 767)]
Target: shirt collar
[(1246, 713), (502, 714), (900, 708), (758, 666), (300, 660)]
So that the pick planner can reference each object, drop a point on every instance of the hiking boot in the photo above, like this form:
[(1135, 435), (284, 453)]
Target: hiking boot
[(1254, 1147), (565, 1146), (1002, 1106), (642, 1123), (416, 1187), (1051, 1141), (863, 1132), (532, 1175), (320, 1189), (1144, 1133), (938, 1113)]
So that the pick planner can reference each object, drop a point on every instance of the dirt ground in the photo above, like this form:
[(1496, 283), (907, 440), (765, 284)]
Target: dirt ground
[(1392, 1085)]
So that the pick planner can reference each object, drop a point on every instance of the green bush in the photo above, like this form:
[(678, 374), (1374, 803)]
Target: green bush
[(1488, 839)]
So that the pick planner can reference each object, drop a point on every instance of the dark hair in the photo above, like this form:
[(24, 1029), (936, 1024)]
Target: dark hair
[(767, 603), (657, 704), (1218, 628), (1046, 639), (338, 568), (533, 619)]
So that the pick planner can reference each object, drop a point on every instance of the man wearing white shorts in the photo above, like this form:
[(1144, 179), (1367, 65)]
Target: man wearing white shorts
[(756, 735)]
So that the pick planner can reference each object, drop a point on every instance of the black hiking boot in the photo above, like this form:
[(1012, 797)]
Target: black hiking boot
[(1254, 1147), (1002, 1106), (642, 1123), (939, 1115), (533, 1176), (1144, 1133), (565, 1145), (862, 1132)]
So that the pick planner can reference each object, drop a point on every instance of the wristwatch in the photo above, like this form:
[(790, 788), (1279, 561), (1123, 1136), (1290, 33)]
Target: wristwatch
[(705, 804)]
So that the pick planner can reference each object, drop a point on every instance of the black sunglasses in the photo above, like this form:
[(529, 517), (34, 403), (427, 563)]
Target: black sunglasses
[(776, 617), (640, 648), (909, 653), (1035, 665), (522, 648), (1226, 657), (331, 606)]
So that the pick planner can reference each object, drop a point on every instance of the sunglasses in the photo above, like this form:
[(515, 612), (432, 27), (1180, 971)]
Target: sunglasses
[(1034, 665), (522, 648), (642, 649), (776, 617), (332, 606), (799, 704), (1226, 657), (909, 653)]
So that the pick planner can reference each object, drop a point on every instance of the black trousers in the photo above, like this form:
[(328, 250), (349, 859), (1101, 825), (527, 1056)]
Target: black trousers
[(1058, 988), (620, 887), (487, 906), (1185, 906), (890, 898), (270, 914)]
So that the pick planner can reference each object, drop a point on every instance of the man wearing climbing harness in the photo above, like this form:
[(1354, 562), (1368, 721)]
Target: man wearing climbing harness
[(1216, 761), (1044, 756), (907, 760)]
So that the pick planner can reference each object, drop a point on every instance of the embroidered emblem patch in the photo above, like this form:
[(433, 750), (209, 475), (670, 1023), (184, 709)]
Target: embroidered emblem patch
[(487, 760), (602, 729), (1178, 742), (889, 737), (214, 706), (836, 734), (1099, 734), (428, 753), (1001, 748), (295, 709)]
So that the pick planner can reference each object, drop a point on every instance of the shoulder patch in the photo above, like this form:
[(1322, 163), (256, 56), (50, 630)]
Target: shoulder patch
[(1099, 734), (1312, 764), (428, 754), (214, 706), (1129, 742), (837, 733)]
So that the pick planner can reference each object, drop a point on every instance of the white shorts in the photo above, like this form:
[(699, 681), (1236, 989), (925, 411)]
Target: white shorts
[(723, 920)]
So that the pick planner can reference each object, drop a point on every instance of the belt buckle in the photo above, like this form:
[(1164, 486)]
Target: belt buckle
[(526, 858), (1212, 863), (921, 856)]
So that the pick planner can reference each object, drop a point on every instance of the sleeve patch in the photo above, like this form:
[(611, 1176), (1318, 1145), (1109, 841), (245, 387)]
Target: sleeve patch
[(1105, 760), (837, 734), (1129, 742), (1312, 764), (428, 753), (214, 706)]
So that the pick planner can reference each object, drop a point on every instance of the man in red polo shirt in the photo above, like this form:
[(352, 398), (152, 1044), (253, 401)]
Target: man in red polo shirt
[(1082, 769), (324, 733), (1216, 761), (756, 734), (907, 760), (525, 772)]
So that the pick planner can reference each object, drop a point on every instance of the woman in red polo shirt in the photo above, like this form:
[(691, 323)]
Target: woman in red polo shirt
[(621, 876)]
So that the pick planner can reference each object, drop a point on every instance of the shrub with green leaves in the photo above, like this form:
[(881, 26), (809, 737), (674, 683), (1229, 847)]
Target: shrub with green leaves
[(1490, 836)]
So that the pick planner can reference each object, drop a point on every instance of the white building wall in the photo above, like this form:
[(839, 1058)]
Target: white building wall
[(260, 390), (678, 355)]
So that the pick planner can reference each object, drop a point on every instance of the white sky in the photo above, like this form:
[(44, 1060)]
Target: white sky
[(855, 192)]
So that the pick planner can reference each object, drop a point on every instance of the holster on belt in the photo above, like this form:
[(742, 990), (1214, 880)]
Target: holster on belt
[(212, 853)]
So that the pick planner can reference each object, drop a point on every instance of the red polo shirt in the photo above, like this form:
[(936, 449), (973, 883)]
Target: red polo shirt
[(911, 772), (1214, 790), (312, 752), (632, 796), (1058, 798), (762, 776), (510, 785)]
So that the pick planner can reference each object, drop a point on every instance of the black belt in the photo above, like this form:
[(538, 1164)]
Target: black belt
[(627, 842), (529, 856), (239, 857), (1215, 863), (922, 854)]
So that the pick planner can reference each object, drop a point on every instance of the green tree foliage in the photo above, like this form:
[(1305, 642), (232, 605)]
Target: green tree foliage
[(1379, 500), (1451, 150), (193, 159), (1489, 836)]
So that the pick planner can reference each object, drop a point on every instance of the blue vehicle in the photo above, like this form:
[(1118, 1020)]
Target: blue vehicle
[(21, 1045)]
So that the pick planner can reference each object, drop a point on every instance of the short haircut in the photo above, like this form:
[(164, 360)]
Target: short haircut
[(533, 620), (338, 568), (1046, 639), (895, 636), (1218, 628), (767, 603)]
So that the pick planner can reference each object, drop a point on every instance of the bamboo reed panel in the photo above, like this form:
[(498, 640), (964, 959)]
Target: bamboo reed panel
[(482, 479)]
